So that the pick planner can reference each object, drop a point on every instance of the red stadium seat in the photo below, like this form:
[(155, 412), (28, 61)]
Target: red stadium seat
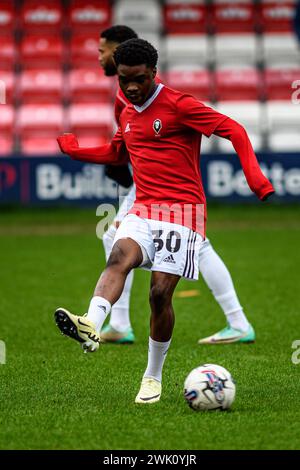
[(231, 17), (276, 16), (189, 17), (87, 139), (41, 86), (89, 86), (237, 84), (7, 86), (239, 50), (6, 129), (39, 146), (283, 118), (6, 118), (6, 145), (89, 15), (7, 17), (44, 16), (280, 50), (84, 51), (7, 52), (144, 16), (42, 52), (195, 82), (40, 117), (189, 49), (88, 119), (39, 126), (278, 83), (249, 114)]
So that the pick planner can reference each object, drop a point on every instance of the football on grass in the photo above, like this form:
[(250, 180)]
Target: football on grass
[(209, 387)]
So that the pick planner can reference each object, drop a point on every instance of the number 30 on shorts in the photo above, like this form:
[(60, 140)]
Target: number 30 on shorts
[(171, 240)]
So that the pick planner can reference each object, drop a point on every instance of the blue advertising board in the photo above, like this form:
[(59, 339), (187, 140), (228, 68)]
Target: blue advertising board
[(61, 181), (224, 179)]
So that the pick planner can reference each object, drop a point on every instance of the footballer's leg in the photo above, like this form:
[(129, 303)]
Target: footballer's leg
[(161, 328), (126, 255), (119, 330), (218, 279)]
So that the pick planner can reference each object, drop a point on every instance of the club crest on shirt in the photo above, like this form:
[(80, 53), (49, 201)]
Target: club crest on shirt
[(157, 126)]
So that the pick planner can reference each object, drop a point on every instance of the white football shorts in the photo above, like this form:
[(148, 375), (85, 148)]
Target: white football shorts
[(166, 247)]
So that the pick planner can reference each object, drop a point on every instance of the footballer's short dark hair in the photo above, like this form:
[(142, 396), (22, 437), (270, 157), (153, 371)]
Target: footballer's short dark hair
[(118, 34), (136, 52)]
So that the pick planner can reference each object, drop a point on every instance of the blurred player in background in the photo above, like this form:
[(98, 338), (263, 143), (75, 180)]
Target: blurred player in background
[(161, 129), (119, 329), (212, 268)]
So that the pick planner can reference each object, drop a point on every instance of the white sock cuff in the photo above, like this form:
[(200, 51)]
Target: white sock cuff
[(159, 344), (103, 302), (156, 357)]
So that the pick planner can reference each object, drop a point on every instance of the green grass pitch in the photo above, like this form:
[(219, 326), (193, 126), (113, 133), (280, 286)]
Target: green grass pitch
[(52, 396)]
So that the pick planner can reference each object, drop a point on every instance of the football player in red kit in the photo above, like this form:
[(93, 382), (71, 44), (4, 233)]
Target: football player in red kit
[(161, 131), (211, 266)]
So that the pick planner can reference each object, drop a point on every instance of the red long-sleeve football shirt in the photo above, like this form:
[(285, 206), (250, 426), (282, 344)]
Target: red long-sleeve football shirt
[(163, 139)]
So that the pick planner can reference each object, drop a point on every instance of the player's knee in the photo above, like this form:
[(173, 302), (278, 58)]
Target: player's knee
[(159, 297), (119, 259)]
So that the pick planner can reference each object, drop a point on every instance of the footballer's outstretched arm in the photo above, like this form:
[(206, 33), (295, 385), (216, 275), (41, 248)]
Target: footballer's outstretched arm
[(233, 131), (113, 153), (206, 120)]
